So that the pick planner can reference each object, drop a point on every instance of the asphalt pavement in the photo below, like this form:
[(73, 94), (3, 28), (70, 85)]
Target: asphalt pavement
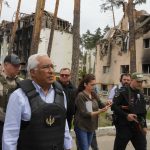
[(105, 142)]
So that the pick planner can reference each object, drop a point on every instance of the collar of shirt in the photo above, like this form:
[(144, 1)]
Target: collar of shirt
[(48, 96), (120, 85), (39, 89)]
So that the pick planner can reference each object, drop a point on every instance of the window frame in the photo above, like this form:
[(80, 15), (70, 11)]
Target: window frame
[(121, 69), (144, 43), (147, 70)]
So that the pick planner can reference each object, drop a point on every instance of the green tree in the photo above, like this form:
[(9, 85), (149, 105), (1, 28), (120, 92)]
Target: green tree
[(89, 40), (106, 29)]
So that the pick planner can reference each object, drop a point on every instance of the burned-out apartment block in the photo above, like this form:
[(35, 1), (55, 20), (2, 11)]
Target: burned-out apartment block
[(113, 55), (61, 53)]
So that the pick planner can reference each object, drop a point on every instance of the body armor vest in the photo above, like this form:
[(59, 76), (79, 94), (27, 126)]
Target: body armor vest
[(137, 103), (45, 130)]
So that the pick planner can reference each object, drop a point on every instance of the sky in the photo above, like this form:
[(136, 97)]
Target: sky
[(91, 17)]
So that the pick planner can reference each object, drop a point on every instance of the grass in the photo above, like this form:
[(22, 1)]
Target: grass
[(148, 115), (103, 121)]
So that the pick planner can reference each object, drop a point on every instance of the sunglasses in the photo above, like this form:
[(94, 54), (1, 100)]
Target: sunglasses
[(64, 75)]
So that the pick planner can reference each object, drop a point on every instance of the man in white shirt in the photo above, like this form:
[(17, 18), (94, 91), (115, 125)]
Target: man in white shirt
[(125, 80), (37, 121)]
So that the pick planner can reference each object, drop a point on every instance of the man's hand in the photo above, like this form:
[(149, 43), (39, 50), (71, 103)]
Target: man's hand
[(132, 117), (144, 131), (109, 103)]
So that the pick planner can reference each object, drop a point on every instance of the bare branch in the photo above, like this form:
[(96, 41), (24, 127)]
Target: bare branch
[(7, 4)]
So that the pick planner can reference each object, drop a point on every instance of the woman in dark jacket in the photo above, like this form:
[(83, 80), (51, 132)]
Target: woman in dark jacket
[(87, 112)]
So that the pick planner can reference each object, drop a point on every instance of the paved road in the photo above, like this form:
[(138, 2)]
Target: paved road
[(106, 142)]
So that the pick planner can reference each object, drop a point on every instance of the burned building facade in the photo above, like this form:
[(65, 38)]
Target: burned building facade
[(113, 55), (62, 41)]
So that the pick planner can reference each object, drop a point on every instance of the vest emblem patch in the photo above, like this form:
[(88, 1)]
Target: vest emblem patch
[(50, 121)]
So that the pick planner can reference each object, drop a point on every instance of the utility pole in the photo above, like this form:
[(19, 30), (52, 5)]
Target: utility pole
[(15, 26), (37, 26), (53, 28)]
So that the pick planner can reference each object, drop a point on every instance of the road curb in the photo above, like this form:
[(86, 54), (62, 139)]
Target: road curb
[(109, 130)]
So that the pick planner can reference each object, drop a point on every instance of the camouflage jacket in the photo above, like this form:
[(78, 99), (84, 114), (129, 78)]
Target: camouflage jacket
[(7, 86)]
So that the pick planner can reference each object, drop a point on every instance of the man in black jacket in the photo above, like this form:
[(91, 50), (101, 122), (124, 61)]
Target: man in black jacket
[(70, 90), (129, 108)]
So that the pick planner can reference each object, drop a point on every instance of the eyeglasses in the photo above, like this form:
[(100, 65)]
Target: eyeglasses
[(64, 75)]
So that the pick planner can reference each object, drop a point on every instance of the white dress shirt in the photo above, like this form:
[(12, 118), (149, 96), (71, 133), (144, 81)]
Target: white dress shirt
[(113, 91), (18, 109)]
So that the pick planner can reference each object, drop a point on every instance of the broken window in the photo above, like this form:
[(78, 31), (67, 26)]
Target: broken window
[(147, 43), (124, 69), (146, 91), (104, 87), (146, 68), (125, 44), (105, 69)]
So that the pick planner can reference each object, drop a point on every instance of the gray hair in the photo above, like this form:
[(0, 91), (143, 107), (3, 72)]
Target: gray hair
[(62, 69), (33, 61)]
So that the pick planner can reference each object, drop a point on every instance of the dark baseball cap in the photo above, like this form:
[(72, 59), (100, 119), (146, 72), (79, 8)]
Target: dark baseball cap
[(12, 59)]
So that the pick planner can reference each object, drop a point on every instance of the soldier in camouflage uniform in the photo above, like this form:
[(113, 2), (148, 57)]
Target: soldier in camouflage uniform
[(8, 83), (129, 108)]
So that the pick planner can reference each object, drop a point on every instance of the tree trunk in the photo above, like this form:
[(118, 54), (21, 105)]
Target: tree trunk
[(132, 47), (53, 28), (112, 7), (37, 26), (1, 1), (76, 43), (14, 29)]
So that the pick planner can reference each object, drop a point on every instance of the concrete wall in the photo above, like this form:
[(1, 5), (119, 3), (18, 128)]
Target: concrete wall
[(4, 49), (142, 55), (61, 54), (119, 58), (90, 61)]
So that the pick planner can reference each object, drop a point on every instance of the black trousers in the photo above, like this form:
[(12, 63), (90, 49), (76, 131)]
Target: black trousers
[(126, 133), (1, 133)]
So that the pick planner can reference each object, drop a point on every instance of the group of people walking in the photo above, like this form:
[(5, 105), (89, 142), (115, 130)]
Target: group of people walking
[(38, 113)]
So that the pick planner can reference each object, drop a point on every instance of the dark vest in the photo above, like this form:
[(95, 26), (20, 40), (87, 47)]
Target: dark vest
[(137, 103), (45, 130)]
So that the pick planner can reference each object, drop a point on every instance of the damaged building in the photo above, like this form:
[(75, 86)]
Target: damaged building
[(113, 55), (61, 53)]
